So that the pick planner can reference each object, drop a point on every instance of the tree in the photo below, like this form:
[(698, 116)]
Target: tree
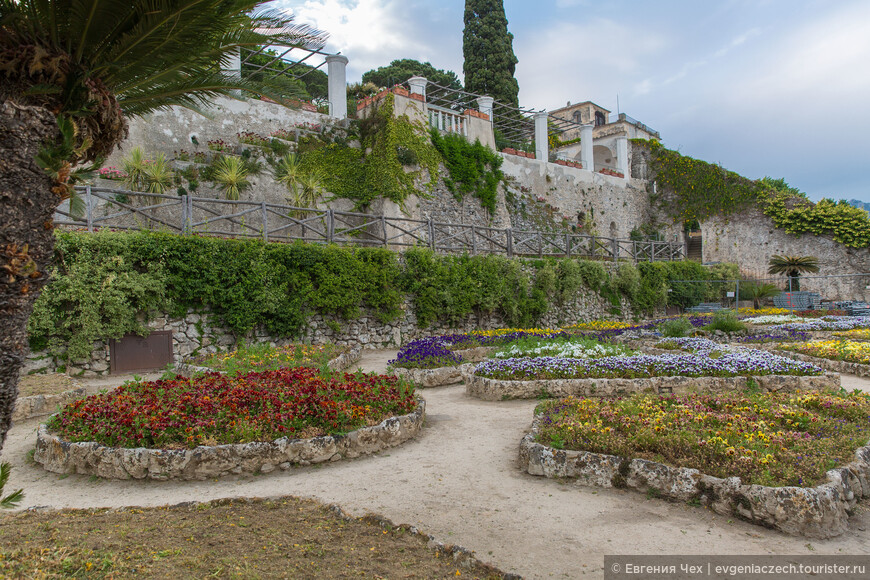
[(399, 71), (793, 267), (73, 71), (757, 291), (487, 46)]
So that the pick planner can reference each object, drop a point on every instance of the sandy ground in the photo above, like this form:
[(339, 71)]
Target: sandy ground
[(460, 482)]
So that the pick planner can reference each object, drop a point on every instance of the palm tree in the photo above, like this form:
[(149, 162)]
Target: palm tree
[(73, 71), (793, 267), (757, 291)]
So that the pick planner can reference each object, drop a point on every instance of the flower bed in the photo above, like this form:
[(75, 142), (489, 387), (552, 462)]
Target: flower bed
[(774, 335), (259, 420), (819, 512), (577, 347), (830, 323), (445, 351), (263, 357), (855, 334), (742, 362), (844, 350), (772, 319)]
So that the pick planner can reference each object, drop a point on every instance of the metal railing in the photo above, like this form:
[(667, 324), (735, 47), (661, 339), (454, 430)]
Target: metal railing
[(116, 209)]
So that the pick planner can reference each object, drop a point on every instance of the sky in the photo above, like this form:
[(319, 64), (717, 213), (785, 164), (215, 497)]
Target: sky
[(776, 88)]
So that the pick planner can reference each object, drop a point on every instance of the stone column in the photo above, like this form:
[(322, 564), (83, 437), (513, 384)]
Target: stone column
[(418, 86), (622, 156), (542, 145), (337, 85), (484, 105), (586, 147)]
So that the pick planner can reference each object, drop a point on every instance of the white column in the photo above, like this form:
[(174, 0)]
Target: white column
[(542, 146), (484, 105), (586, 151), (337, 85), (418, 86), (622, 156)]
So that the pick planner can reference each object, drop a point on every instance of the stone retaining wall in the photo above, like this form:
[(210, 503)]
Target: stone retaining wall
[(437, 377), (818, 512), (89, 458), (499, 389), (41, 405)]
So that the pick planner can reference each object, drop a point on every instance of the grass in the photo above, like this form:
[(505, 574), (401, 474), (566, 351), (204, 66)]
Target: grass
[(279, 538), (774, 439), (259, 357)]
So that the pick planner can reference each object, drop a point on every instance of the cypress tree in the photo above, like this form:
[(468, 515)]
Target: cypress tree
[(487, 46)]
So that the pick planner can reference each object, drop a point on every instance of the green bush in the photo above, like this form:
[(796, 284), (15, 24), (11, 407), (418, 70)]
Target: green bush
[(676, 327), (726, 321), (474, 168)]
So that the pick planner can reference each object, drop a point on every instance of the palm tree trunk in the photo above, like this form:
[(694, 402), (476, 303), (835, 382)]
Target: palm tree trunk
[(26, 240)]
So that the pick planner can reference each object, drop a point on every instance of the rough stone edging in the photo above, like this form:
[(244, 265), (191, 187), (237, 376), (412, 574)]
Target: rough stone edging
[(438, 377), (340, 362), (41, 405), (489, 389), (204, 462), (819, 512)]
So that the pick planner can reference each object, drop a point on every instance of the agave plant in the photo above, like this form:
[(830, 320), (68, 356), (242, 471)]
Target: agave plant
[(231, 176), (304, 186), (159, 175), (793, 267), (135, 165)]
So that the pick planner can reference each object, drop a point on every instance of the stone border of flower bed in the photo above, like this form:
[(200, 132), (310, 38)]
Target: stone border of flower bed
[(41, 405), (837, 366), (500, 389), (437, 377), (340, 362), (818, 512), (90, 458)]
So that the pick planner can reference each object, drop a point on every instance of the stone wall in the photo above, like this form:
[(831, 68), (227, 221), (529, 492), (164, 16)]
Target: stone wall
[(750, 239)]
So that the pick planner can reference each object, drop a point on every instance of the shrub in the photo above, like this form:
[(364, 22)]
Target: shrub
[(675, 327), (726, 321)]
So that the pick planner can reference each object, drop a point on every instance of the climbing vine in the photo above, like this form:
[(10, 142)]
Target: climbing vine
[(474, 168), (689, 189)]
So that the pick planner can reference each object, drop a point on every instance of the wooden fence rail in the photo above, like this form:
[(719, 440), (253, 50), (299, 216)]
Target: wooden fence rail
[(187, 215)]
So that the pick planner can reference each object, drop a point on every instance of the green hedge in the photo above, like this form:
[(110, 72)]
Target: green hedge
[(106, 285)]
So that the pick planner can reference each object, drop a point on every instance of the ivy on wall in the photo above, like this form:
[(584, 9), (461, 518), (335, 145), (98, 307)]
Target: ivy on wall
[(105, 285), (689, 189), (474, 168)]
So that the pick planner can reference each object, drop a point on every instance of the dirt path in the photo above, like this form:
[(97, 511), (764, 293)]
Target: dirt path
[(460, 482)]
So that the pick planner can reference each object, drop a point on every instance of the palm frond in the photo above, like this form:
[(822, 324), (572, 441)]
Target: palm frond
[(14, 498)]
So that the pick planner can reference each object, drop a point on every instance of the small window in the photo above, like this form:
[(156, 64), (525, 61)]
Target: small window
[(599, 119), (578, 117)]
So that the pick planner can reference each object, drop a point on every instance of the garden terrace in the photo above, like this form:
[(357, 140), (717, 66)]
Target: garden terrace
[(212, 425), (770, 458)]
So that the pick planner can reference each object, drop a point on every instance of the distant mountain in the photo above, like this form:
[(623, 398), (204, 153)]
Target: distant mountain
[(861, 204)]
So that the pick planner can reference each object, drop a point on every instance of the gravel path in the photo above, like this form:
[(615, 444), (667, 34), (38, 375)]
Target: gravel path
[(459, 481)]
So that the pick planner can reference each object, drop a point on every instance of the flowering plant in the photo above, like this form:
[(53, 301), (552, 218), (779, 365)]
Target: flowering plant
[(578, 347), (845, 350), (113, 173), (772, 319), (767, 439), (216, 409), (265, 357), (219, 145), (250, 138)]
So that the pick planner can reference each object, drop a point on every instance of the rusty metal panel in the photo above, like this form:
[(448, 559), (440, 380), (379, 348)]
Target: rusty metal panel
[(141, 353)]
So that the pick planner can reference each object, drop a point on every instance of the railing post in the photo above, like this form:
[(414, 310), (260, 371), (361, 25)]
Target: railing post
[(568, 245), (88, 211), (384, 228), (183, 227), (540, 245), (265, 221), (634, 250), (509, 236), (330, 227), (190, 215), (473, 240), (431, 229), (615, 245)]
